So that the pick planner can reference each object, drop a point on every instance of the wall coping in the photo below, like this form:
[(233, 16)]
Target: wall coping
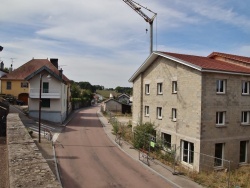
[(27, 167)]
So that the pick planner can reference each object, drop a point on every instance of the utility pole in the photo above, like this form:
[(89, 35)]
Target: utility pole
[(137, 8)]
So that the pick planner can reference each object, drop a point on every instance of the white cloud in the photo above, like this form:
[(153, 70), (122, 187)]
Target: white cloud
[(103, 41)]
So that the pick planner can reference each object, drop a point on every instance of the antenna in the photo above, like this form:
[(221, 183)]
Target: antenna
[(12, 61), (60, 66)]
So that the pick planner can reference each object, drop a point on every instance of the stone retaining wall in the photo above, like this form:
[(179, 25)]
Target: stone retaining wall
[(27, 167)]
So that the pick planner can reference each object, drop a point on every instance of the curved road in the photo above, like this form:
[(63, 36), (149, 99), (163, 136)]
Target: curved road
[(88, 158)]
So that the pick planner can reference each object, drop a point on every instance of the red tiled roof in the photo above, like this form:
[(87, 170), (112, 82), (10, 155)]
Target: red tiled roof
[(230, 56), (30, 67), (207, 63)]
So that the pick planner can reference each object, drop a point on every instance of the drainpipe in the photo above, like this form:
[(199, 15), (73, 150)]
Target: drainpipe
[(141, 98)]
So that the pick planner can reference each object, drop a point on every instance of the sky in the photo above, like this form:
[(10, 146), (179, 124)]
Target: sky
[(104, 41)]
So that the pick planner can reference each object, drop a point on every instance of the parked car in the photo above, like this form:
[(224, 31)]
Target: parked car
[(19, 102), (10, 98)]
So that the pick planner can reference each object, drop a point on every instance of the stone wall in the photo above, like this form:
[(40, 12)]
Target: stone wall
[(27, 167), (187, 101), (233, 103)]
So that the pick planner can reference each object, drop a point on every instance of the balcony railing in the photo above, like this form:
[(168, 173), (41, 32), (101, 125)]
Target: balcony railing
[(45, 93)]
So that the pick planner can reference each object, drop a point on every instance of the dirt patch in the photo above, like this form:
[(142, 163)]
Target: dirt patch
[(4, 177)]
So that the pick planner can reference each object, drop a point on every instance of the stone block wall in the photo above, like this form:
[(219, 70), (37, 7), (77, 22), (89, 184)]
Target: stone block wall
[(27, 167), (233, 103)]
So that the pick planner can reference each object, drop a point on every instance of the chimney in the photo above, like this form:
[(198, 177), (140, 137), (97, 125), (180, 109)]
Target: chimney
[(2, 65), (54, 61), (61, 73)]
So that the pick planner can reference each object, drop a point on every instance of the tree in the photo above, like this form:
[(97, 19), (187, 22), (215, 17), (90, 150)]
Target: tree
[(86, 85), (75, 91), (98, 87)]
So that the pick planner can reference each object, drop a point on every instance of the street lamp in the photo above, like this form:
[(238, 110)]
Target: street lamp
[(40, 101)]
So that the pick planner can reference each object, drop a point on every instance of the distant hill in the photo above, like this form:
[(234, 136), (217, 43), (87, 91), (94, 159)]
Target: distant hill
[(106, 93)]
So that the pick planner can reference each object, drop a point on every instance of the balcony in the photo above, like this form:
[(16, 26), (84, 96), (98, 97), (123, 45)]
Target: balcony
[(46, 93)]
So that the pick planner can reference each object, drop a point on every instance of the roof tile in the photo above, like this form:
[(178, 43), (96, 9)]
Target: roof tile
[(207, 63), (28, 68)]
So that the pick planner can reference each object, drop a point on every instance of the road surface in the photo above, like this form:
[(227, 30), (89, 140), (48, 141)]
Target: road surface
[(88, 158), (32, 124)]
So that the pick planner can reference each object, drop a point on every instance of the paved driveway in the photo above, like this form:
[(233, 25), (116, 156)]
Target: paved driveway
[(87, 158)]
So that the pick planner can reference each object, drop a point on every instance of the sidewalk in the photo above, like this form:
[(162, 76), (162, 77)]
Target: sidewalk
[(160, 169)]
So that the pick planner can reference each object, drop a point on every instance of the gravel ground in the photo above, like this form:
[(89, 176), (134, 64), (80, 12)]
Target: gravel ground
[(4, 178)]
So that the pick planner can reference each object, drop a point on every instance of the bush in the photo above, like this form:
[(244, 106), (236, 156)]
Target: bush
[(142, 135)]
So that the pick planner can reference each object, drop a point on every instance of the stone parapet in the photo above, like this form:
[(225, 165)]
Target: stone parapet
[(27, 167)]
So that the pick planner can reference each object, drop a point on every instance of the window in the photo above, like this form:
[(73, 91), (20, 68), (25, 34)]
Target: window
[(243, 151), (159, 88), (24, 84), (220, 118), (174, 114), (8, 86), (159, 112), (245, 88), (45, 87), (219, 154), (146, 110), (245, 117), (187, 150), (45, 103), (221, 86), (147, 89), (166, 139), (174, 86)]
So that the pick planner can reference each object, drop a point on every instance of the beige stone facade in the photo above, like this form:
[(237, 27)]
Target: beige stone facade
[(188, 113)]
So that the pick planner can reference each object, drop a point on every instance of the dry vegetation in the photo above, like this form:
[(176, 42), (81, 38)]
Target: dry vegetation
[(239, 178)]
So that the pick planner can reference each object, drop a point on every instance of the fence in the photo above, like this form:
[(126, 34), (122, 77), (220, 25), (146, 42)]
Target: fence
[(213, 172), (4, 110)]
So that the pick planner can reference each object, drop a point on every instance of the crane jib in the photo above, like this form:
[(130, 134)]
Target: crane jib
[(133, 4)]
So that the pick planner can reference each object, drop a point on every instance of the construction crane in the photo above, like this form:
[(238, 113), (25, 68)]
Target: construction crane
[(137, 9)]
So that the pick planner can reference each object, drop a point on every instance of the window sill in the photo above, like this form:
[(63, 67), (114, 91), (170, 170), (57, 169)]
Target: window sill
[(220, 126), (175, 92), (189, 165), (219, 168), (245, 94), (245, 124), (159, 118), (173, 120), (146, 115), (159, 93), (147, 93), (220, 93), (243, 164)]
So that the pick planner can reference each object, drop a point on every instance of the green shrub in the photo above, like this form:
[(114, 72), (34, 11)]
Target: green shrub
[(142, 135)]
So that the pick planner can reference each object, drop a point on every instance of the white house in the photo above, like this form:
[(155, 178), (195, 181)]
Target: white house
[(55, 93)]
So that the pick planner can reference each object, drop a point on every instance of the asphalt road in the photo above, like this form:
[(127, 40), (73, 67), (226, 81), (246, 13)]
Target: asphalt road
[(33, 124), (88, 158)]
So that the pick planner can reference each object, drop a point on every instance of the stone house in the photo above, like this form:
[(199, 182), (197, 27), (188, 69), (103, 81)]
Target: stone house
[(200, 105)]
